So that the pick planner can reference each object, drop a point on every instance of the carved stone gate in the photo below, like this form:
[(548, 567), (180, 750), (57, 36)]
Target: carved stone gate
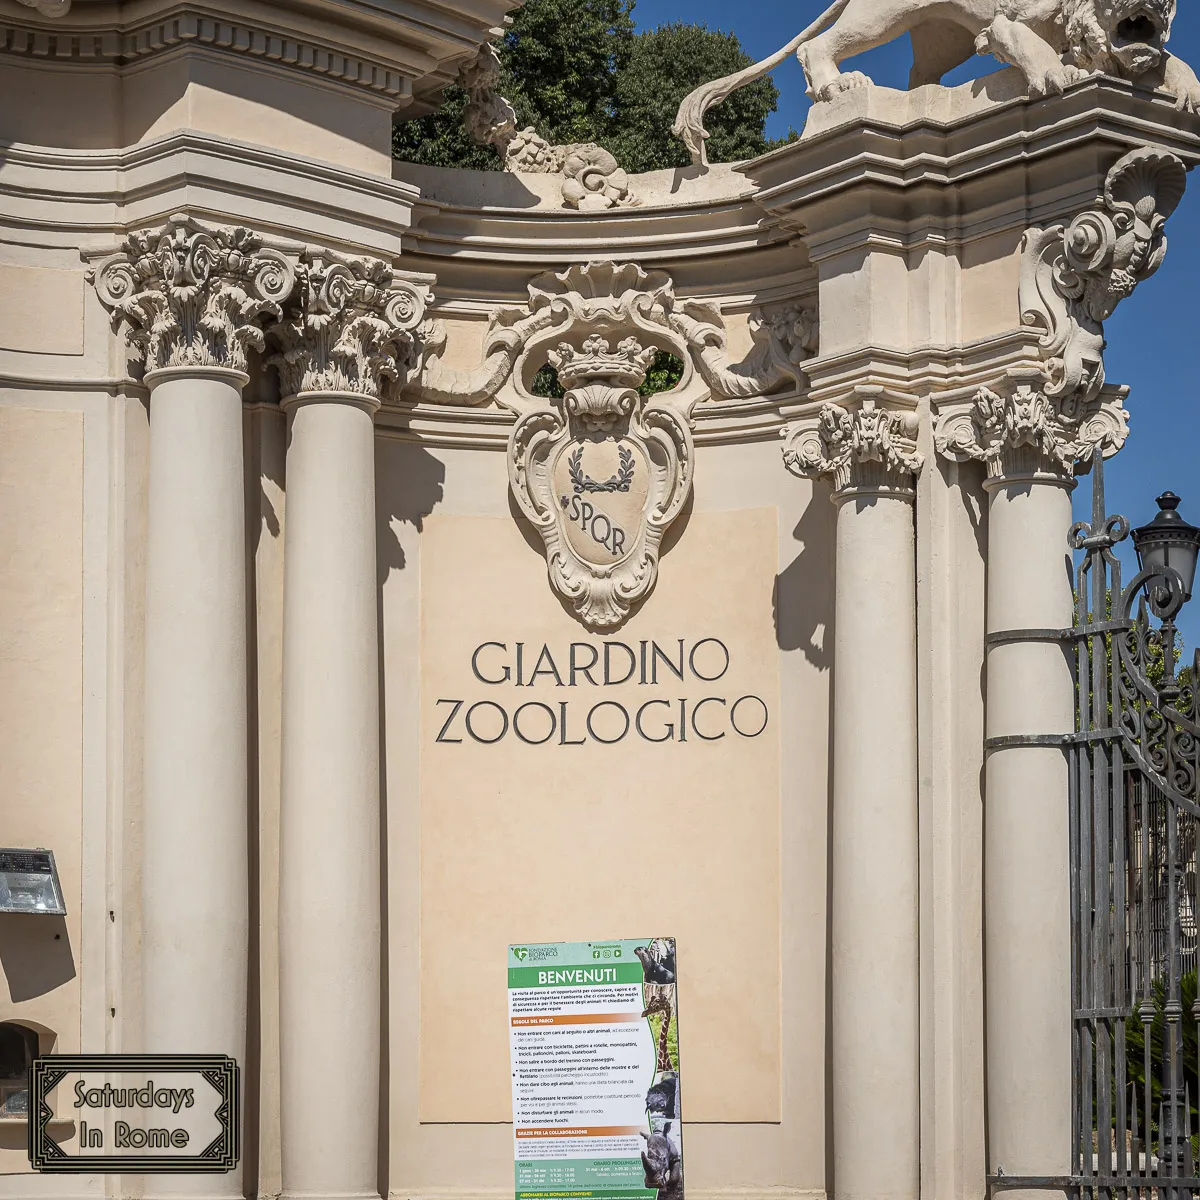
[(1135, 810)]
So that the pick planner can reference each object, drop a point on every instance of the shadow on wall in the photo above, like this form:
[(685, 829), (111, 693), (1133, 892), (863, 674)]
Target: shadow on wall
[(35, 954), (803, 589), (409, 484)]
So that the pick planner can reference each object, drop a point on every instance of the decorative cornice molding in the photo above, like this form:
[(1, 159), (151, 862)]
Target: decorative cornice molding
[(191, 296), (118, 48), (1073, 277), (349, 329), (1026, 435), (866, 450)]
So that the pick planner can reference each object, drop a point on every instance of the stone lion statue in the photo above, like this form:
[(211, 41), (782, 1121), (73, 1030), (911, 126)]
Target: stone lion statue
[(1053, 42)]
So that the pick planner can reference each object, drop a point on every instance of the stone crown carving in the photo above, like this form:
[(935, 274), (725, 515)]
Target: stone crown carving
[(1053, 420), (350, 328), (868, 449), (194, 297)]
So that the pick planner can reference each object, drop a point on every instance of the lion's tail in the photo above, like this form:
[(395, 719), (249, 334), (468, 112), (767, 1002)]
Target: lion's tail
[(689, 124)]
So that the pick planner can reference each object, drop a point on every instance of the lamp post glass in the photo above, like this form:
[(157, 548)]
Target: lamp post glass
[(1169, 542)]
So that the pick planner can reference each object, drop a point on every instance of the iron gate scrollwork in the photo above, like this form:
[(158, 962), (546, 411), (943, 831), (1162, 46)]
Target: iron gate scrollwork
[(1135, 811)]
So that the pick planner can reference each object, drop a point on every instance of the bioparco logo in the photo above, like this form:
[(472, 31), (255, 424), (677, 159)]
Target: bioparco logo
[(520, 953)]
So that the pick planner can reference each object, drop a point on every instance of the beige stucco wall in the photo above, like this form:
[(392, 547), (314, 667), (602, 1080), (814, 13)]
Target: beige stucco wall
[(473, 840), (41, 718)]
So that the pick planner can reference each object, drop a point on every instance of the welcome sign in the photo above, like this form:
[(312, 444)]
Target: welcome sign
[(593, 1034)]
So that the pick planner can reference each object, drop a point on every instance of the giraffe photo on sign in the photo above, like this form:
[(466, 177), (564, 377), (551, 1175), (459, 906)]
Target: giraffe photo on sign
[(594, 1039)]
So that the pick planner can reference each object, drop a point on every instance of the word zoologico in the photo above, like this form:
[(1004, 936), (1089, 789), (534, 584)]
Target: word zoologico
[(647, 664)]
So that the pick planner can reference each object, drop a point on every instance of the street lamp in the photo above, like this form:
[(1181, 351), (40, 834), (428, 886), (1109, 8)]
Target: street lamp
[(1169, 542)]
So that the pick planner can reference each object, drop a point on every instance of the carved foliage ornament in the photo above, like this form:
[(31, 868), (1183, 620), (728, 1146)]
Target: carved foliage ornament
[(1053, 420), (194, 297), (1025, 434), (1074, 277), (350, 330), (864, 449)]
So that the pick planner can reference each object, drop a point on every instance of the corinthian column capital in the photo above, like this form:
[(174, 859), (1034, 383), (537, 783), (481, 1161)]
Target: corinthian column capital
[(865, 450), (1029, 435), (193, 297), (350, 329)]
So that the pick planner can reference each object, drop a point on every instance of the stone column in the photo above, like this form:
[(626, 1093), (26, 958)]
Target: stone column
[(1030, 455), (192, 300), (1045, 420), (349, 335), (871, 457)]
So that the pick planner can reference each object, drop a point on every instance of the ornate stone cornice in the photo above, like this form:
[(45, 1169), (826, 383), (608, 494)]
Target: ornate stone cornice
[(120, 47), (191, 296), (866, 450), (349, 329), (1026, 434)]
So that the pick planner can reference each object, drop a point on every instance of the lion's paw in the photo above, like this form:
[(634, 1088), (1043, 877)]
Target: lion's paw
[(844, 83), (1058, 78), (1189, 100)]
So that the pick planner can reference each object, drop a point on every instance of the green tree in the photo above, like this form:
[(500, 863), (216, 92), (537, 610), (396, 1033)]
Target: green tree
[(666, 64), (577, 72)]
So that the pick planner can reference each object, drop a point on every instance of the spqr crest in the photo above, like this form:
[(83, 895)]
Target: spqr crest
[(602, 474)]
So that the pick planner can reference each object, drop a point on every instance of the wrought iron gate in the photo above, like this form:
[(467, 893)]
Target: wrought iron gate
[(1135, 811)]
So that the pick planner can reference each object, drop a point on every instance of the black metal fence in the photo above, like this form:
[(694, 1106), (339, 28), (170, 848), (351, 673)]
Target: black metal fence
[(1135, 763)]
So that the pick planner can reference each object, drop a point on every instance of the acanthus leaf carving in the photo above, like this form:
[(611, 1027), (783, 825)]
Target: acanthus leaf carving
[(350, 330), (1028, 433), (1074, 277), (867, 448), (190, 296)]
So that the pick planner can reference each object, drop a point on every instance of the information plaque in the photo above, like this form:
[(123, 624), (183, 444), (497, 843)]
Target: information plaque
[(593, 1029)]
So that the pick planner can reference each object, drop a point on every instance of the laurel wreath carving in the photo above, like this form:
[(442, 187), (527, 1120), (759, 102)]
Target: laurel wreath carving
[(620, 482)]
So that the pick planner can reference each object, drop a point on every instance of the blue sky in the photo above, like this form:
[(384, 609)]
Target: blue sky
[(1150, 338)]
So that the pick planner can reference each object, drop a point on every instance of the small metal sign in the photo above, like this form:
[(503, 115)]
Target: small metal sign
[(29, 883), (136, 1113)]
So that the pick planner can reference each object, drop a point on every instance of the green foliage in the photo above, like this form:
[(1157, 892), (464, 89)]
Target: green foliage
[(561, 61), (665, 372), (439, 140), (577, 72), (1135, 1056), (666, 64)]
